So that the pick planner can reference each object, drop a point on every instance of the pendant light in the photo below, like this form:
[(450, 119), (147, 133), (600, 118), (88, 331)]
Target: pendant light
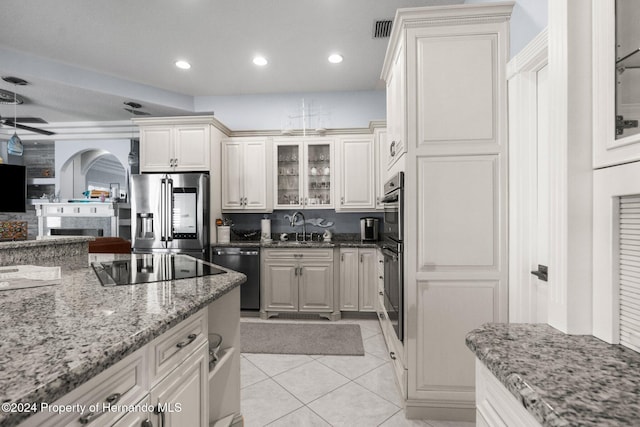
[(15, 146)]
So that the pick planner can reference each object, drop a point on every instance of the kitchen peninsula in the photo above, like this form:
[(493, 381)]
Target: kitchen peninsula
[(78, 343)]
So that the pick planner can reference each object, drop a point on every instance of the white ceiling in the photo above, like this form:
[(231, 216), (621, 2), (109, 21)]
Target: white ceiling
[(83, 59)]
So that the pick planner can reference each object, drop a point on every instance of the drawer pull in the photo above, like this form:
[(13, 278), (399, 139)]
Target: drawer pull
[(381, 277), (392, 355), (86, 419), (89, 417), (381, 315), (113, 398), (146, 423), (188, 341), (380, 293)]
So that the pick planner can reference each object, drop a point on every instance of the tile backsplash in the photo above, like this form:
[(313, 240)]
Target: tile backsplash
[(342, 222)]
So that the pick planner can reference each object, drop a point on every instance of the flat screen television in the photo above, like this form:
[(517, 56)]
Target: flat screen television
[(13, 188)]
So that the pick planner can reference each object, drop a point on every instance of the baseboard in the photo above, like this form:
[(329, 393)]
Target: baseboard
[(415, 410)]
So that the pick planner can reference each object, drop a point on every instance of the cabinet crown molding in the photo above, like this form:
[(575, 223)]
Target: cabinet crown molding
[(443, 15)]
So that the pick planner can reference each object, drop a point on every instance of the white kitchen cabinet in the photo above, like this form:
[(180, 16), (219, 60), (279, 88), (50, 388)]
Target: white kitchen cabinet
[(495, 405), (304, 173), (356, 162), (613, 82), (170, 374), (297, 280), (382, 164), (246, 175), (175, 144), (358, 279), (181, 398), (454, 102), (396, 100)]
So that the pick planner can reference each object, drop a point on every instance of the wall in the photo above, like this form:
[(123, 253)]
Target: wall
[(529, 17), (66, 150), (271, 111)]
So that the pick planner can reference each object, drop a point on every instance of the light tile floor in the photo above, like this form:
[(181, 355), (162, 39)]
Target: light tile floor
[(287, 390)]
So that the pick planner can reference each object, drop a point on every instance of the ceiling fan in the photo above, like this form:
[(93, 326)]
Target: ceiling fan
[(15, 144)]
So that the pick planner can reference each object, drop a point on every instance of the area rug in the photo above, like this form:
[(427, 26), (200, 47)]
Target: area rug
[(301, 338)]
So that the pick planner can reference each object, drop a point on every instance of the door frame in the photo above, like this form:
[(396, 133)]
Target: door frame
[(522, 80)]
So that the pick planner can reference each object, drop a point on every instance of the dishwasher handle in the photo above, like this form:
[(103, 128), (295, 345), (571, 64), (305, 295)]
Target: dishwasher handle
[(236, 251)]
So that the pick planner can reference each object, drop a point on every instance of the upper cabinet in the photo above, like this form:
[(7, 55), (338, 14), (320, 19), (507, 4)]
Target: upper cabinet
[(246, 175), (382, 162), (616, 79), (304, 173), (175, 144), (396, 128), (357, 183)]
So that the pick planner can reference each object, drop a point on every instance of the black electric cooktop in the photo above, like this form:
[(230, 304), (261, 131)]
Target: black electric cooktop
[(148, 268)]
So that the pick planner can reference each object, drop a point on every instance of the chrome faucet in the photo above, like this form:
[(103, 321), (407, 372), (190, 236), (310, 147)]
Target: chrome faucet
[(304, 224)]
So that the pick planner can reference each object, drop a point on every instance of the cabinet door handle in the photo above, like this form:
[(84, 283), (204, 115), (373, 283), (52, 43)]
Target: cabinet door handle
[(381, 315), (295, 272), (190, 338), (380, 293), (160, 412), (381, 277), (342, 200), (175, 162), (392, 355), (300, 271), (146, 423), (361, 261), (341, 257)]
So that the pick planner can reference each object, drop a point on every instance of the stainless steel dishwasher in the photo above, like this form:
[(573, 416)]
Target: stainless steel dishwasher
[(245, 260)]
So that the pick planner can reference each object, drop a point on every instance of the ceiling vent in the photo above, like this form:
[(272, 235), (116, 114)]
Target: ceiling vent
[(382, 28)]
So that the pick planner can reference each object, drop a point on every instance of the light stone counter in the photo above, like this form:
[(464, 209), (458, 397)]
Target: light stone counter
[(55, 338), (562, 380)]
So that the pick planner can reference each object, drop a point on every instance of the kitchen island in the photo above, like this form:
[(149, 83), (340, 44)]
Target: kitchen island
[(560, 379), (56, 338)]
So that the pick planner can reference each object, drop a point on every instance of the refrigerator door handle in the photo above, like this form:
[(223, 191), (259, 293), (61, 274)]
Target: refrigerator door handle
[(163, 203), (169, 211)]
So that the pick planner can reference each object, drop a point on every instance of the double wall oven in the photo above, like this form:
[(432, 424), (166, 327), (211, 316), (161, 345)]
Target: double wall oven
[(393, 252)]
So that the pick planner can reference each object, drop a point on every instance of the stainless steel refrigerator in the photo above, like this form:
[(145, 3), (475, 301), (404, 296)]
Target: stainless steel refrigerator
[(170, 213)]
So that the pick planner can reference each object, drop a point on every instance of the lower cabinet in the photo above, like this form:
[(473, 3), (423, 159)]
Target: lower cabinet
[(168, 382), (358, 279), (180, 399), (296, 280), (495, 405)]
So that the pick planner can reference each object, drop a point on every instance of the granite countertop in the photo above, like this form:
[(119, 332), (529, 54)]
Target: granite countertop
[(562, 380), (55, 338), (44, 241)]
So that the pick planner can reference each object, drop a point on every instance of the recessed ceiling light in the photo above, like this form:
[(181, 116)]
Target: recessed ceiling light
[(335, 58), (183, 64), (260, 60)]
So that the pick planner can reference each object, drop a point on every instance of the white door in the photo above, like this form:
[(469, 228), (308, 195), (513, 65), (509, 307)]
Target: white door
[(192, 148), (541, 252), (529, 186)]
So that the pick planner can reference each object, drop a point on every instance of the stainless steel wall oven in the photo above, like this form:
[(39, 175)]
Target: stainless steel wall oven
[(393, 252)]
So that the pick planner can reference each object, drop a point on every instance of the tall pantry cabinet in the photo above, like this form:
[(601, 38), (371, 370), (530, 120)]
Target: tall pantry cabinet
[(452, 123)]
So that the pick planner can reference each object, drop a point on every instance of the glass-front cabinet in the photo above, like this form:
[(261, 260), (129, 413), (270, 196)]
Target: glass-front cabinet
[(304, 171)]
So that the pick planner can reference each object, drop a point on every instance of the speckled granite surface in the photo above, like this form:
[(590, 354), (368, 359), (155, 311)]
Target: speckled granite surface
[(73, 249), (57, 337), (562, 380)]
